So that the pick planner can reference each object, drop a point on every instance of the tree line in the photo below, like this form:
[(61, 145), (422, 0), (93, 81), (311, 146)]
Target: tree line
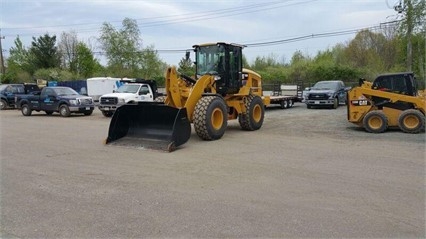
[(393, 48)]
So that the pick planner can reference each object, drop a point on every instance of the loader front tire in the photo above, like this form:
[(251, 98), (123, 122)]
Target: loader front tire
[(210, 118), (411, 121), (252, 119), (375, 122)]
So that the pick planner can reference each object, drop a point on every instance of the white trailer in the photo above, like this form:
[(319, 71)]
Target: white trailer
[(98, 86)]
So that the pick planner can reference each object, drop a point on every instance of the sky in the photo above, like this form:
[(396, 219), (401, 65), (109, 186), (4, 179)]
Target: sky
[(269, 28)]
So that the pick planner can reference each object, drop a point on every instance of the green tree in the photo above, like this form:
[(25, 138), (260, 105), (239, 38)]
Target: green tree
[(123, 48), (150, 64), (186, 67), (19, 63), (44, 52), (85, 63)]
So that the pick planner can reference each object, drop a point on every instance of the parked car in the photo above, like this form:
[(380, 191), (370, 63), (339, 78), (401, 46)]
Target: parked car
[(326, 94), (8, 92), (64, 100)]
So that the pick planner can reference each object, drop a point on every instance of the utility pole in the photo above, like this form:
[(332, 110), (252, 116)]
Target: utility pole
[(3, 70), (407, 9), (409, 16)]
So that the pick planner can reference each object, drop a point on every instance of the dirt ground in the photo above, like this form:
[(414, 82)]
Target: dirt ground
[(305, 173)]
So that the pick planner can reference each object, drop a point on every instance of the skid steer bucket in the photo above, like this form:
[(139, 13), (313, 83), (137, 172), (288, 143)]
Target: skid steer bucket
[(149, 125)]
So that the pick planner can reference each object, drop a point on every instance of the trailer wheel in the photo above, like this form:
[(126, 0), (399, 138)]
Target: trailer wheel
[(25, 110), (210, 118), (290, 103), (375, 122), (284, 104), (253, 118), (411, 121), (64, 111)]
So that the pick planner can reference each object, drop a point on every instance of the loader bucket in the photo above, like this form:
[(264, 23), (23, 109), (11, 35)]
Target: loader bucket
[(149, 125)]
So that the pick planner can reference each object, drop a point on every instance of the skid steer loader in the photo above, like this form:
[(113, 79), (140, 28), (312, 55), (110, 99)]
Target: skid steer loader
[(390, 101), (222, 90)]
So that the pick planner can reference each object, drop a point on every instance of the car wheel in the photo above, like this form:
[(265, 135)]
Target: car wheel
[(64, 111), (89, 112), (107, 113), (3, 105), (308, 106), (335, 103), (25, 110)]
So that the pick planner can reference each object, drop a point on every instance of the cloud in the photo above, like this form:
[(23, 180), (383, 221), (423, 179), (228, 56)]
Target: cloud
[(179, 24)]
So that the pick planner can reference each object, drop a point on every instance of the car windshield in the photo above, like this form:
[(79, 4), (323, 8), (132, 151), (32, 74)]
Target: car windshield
[(324, 85), (65, 91), (129, 88)]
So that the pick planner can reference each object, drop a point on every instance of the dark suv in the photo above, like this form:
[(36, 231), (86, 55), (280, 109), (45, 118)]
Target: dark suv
[(326, 93), (8, 92)]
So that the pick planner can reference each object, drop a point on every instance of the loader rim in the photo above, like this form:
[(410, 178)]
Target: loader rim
[(411, 121), (209, 118), (217, 118), (375, 122), (257, 113)]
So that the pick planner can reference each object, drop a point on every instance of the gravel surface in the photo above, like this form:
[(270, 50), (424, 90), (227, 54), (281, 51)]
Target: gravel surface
[(305, 173)]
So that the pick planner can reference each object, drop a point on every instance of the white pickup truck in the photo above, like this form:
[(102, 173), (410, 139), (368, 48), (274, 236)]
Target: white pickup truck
[(131, 92)]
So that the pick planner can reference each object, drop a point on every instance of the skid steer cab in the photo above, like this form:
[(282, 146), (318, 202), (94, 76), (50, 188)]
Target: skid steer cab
[(221, 90), (391, 101)]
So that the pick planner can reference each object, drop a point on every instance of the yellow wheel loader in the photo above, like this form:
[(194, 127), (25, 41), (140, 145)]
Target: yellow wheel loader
[(222, 90), (392, 100)]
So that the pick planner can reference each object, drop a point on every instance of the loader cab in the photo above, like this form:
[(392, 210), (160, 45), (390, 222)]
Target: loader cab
[(224, 61), (400, 83)]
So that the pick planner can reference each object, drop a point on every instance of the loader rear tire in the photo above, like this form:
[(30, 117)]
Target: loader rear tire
[(375, 122), (411, 121), (210, 118), (253, 118)]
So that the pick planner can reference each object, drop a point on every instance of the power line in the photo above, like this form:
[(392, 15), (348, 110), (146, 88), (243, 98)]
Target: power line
[(181, 18), (281, 41)]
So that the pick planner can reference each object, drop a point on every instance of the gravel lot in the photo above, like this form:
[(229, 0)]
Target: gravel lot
[(305, 173)]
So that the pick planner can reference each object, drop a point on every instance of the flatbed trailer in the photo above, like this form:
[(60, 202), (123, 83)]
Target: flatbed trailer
[(285, 101), (285, 95)]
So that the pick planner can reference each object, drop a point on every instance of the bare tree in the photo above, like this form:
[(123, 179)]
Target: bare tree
[(67, 49)]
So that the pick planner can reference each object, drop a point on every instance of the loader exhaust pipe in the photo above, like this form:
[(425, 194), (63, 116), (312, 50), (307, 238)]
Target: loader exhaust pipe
[(149, 125)]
